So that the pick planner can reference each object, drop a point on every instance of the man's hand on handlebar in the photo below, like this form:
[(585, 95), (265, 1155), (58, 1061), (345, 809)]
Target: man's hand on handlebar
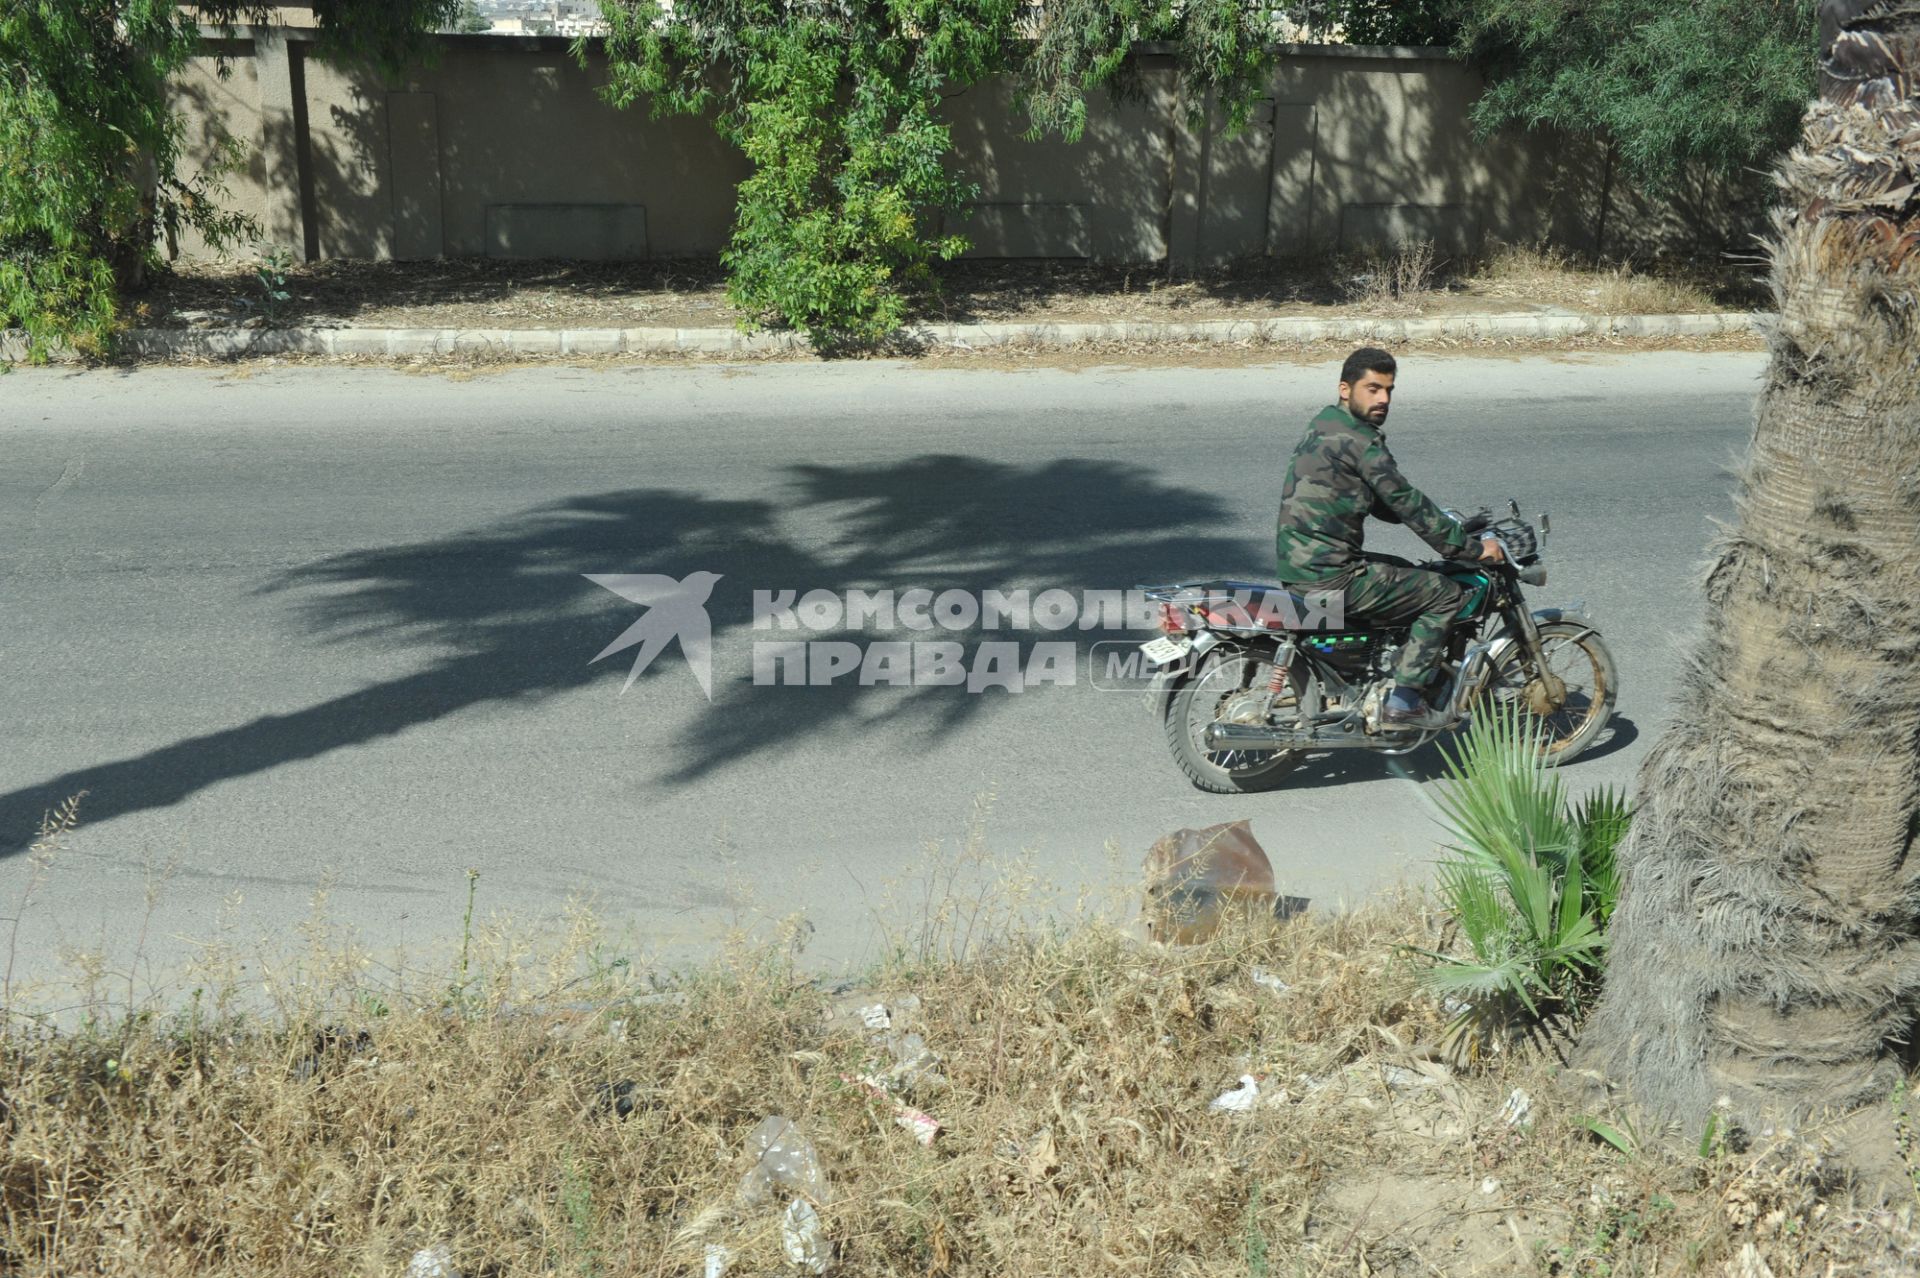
[(1490, 551)]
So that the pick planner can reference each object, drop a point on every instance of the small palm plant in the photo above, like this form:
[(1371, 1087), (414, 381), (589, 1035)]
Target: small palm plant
[(1529, 877)]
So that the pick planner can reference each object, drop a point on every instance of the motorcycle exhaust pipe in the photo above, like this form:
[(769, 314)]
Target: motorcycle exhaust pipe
[(1252, 737)]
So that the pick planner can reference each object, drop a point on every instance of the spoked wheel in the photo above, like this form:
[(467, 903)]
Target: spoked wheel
[(1569, 702), (1230, 689)]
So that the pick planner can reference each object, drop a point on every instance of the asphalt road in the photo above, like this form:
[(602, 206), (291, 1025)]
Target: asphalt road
[(301, 625)]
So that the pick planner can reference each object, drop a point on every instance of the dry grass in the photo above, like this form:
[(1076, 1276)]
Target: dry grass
[(487, 294), (1550, 277), (1401, 282), (537, 1105)]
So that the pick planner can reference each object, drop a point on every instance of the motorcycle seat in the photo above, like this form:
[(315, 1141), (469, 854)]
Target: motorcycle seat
[(1258, 603)]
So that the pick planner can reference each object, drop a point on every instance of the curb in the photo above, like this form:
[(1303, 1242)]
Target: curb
[(497, 343)]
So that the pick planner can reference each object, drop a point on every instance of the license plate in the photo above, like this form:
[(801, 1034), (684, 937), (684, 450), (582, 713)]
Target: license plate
[(1164, 652)]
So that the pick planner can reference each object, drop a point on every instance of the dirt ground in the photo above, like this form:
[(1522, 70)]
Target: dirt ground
[(1276, 1101), (481, 293), (1081, 357)]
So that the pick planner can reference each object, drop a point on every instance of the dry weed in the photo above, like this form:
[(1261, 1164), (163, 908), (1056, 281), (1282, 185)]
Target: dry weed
[(537, 1105), (491, 294), (1551, 277), (1398, 282)]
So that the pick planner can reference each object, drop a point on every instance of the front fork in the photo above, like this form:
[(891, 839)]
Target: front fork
[(1545, 691)]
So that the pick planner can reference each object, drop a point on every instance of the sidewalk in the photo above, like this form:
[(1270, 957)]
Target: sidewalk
[(171, 344)]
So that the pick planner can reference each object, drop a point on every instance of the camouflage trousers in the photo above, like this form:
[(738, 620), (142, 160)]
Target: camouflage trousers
[(1386, 594)]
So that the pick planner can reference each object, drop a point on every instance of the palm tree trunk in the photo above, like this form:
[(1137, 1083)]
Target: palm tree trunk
[(1767, 944)]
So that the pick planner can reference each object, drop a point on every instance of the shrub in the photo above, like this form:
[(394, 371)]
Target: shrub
[(90, 146), (88, 157), (1530, 878), (838, 108)]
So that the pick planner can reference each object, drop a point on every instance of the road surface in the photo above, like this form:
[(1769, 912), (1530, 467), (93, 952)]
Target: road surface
[(287, 626)]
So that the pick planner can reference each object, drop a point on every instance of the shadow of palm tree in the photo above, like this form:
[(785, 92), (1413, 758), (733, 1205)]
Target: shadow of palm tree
[(503, 615)]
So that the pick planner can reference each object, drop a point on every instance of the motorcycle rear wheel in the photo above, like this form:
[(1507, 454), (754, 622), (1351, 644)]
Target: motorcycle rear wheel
[(1199, 700)]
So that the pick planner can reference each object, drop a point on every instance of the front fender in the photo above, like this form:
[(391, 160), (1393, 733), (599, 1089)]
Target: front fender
[(1541, 617), (1571, 613)]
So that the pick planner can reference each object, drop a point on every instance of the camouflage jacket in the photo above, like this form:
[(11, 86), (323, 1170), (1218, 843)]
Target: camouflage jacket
[(1341, 473)]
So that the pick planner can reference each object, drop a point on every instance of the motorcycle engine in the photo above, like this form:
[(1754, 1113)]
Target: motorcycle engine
[(1371, 701)]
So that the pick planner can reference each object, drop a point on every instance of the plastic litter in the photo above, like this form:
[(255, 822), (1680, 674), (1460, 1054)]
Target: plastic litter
[(785, 1163), (1271, 980), (1489, 1186), (914, 1063), (1195, 878), (1518, 1109), (1400, 1079), (1238, 1101), (432, 1262), (876, 1017), (801, 1234), (717, 1260), (923, 1126)]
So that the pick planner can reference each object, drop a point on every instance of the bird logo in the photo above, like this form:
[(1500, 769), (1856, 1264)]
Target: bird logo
[(675, 610)]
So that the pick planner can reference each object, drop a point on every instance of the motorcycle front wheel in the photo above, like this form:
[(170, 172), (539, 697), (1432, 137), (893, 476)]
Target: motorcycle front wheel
[(1227, 687), (1570, 708)]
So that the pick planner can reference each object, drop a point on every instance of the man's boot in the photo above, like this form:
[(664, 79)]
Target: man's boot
[(1406, 708)]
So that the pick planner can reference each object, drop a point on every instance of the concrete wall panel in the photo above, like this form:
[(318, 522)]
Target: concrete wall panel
[(350, 155), (413, 144), (589, 232), (503, 147), (1025, 230), (217, 108), (1117, 174)]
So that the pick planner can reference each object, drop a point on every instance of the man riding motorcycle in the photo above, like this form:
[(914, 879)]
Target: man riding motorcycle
[(1340, 473)]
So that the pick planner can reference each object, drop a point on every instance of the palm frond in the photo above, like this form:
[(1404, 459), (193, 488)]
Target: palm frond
[(1530, 878), (1600, 825)]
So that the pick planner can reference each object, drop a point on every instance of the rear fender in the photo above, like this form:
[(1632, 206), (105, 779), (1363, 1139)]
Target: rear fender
[(1161, 689), (1163, 685)]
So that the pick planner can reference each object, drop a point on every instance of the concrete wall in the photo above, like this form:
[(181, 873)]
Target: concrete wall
[(215, 107), (1104, 198), (503, 148)]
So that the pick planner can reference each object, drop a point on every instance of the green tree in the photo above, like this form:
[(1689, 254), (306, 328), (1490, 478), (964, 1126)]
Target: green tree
[(1415, 22), (837, 106), (1077, 47), (1714, 86), (90, 145)]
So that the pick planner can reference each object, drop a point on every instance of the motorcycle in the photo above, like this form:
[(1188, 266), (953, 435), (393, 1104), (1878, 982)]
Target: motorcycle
[(1249, 678)]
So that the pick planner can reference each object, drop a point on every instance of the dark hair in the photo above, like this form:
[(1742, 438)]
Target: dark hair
[(1368, 359)]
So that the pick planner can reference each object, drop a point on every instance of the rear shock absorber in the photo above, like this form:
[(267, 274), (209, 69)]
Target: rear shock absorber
[(1279, 685)]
